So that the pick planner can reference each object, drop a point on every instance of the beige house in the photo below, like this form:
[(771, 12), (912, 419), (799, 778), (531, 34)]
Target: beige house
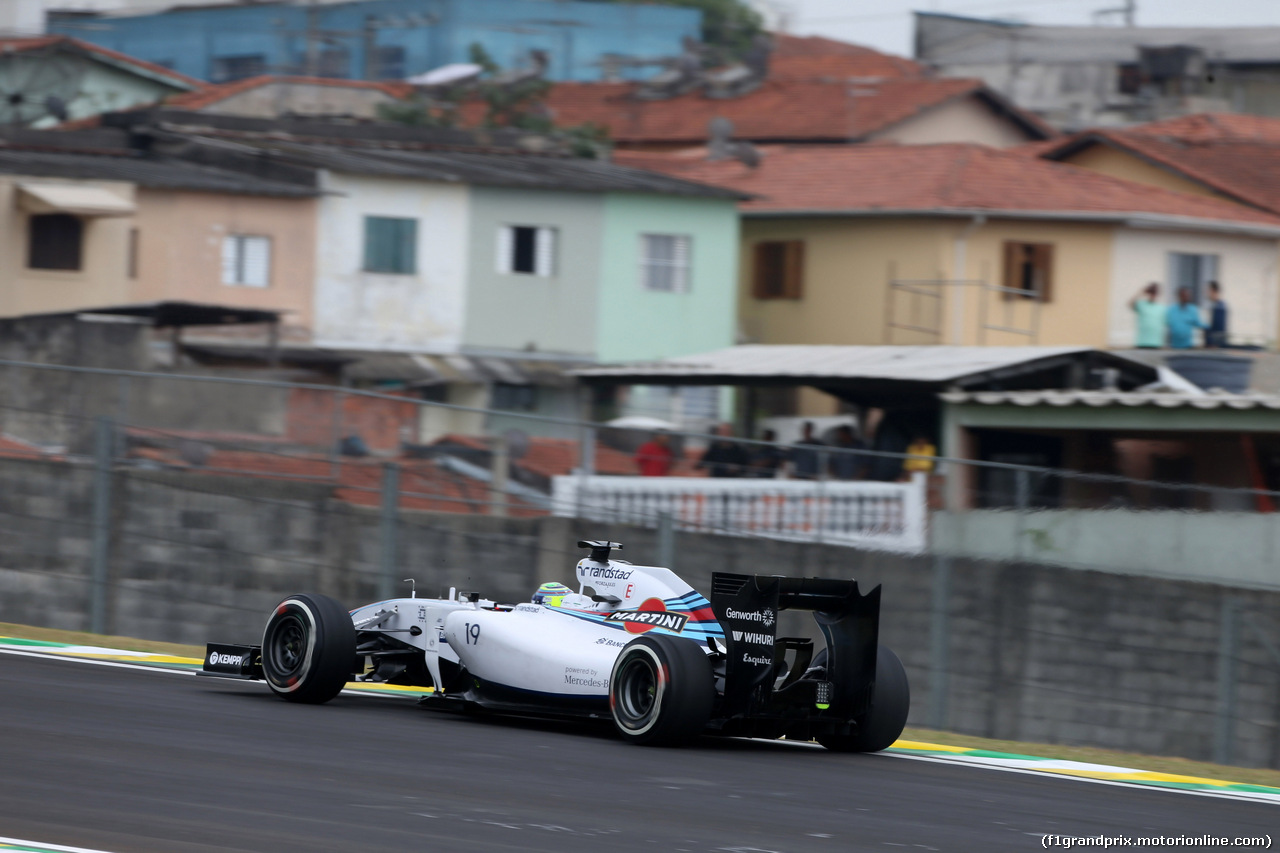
[(967, 245), (82, 232)]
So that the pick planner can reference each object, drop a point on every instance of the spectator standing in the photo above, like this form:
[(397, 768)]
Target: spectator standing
[(921, 460), (1150, 317), (1216, 335), (725, 458), (766, 460), (804, 458), (655, 458), (1183, 319), (848, 466)]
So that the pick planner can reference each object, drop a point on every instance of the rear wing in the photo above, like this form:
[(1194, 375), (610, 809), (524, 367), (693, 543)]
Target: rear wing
[(747, 607)]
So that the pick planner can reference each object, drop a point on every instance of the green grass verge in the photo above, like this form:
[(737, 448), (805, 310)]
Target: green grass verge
[(1094, 755), (83, 638), (1158, 764)]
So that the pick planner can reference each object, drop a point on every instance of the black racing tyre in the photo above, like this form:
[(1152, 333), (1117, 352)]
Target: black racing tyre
[(883, 724), (661, 690), (308, 649)]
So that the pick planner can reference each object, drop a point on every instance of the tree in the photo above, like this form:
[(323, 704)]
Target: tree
[(728, 26)]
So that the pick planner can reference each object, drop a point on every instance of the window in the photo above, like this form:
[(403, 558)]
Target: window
[(227, 68), (527, 250), (1193, 272), (390, 60), (664, 262), (779, 270), (1028, 267), (56, 242), (514, 398), (390, 245), (335, 62), (246, 260)]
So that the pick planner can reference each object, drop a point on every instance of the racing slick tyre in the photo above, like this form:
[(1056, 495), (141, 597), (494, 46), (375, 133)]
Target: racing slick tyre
[(661, 690), (882, 725), (308, 649)]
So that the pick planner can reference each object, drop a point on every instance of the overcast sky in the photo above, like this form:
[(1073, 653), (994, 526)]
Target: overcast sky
[(887, 24)]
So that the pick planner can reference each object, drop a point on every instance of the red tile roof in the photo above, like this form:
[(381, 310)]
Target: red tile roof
[(1234, 155), (935, 178), (781, 110), (115, 57), (812, 57), (209, 95)]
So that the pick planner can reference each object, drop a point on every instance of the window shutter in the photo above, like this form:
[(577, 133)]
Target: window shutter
[(407, 247), (1043, 258), (680, 265), (794, 270), (545, 253), (506, 247), (1012, 266), (760, 271), (373, 256), (255, 264), (230, 260)]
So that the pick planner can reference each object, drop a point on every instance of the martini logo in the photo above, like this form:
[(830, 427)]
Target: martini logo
[(651, 614)]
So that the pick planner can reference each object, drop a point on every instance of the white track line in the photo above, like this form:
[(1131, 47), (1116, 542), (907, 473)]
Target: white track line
[(41, 845)]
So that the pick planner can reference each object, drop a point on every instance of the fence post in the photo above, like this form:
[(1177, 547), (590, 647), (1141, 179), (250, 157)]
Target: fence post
[(1228, 648), (103, 441), (586, 465), (939, 642), (390, 526), (666, 540), (498, 469)]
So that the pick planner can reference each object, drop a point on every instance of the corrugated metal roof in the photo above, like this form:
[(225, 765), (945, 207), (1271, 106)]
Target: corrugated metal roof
[(143, 171), (937, 364), (498, 170), (1105, 399)]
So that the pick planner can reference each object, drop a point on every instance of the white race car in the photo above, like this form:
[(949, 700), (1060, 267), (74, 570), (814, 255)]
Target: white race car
[(636, 644)]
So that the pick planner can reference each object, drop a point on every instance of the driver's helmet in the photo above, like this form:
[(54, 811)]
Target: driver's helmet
[(551, 594)]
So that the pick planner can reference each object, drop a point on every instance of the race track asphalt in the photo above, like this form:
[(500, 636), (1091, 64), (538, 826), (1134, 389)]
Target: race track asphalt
[(123, 760)]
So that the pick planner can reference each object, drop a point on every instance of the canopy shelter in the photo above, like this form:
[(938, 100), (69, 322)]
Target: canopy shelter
[(886, 376)]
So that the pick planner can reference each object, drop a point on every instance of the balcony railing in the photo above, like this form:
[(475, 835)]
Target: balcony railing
[(883, 516)]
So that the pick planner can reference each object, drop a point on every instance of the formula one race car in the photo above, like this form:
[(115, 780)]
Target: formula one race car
[(635, 644)]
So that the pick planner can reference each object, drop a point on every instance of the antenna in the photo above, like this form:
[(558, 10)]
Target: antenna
[(413, 587)]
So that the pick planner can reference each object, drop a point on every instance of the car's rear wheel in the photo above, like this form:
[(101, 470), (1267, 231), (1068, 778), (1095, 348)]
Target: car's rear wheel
[(308, 649), (879, 727), (661, 690)]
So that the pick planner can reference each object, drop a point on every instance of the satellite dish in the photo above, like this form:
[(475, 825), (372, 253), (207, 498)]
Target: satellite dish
[(456, 72), (517, 441)]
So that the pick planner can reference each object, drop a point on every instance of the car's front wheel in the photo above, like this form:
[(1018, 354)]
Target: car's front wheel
[(308, 649), (661, 690)]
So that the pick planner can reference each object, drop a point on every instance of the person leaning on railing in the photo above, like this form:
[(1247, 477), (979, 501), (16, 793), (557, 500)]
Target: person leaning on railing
[(654, 458), (915, 463), (725, 458)]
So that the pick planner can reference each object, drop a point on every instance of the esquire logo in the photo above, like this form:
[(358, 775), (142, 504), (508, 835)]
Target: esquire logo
[(764, 617), (220, 659)]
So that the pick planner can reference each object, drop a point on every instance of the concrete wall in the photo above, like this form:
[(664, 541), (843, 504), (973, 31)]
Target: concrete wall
[(1033, 652), (1247, 270), (423, 311), (961, 120), (102, 278), (521, 311), (1238, 549), (180, 238), (673, 324)]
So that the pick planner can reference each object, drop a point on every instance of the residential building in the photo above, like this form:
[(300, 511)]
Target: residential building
[(1078, 77), (1220, 155), (962, 244), (807, 90), (47, 80), (93, 224), (386, 39)]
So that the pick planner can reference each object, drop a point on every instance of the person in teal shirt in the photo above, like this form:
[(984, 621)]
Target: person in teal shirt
[(1183, 319), (1151, 317)]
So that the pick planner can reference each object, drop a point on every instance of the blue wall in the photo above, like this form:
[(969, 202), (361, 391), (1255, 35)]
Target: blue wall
[(206, 42)]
